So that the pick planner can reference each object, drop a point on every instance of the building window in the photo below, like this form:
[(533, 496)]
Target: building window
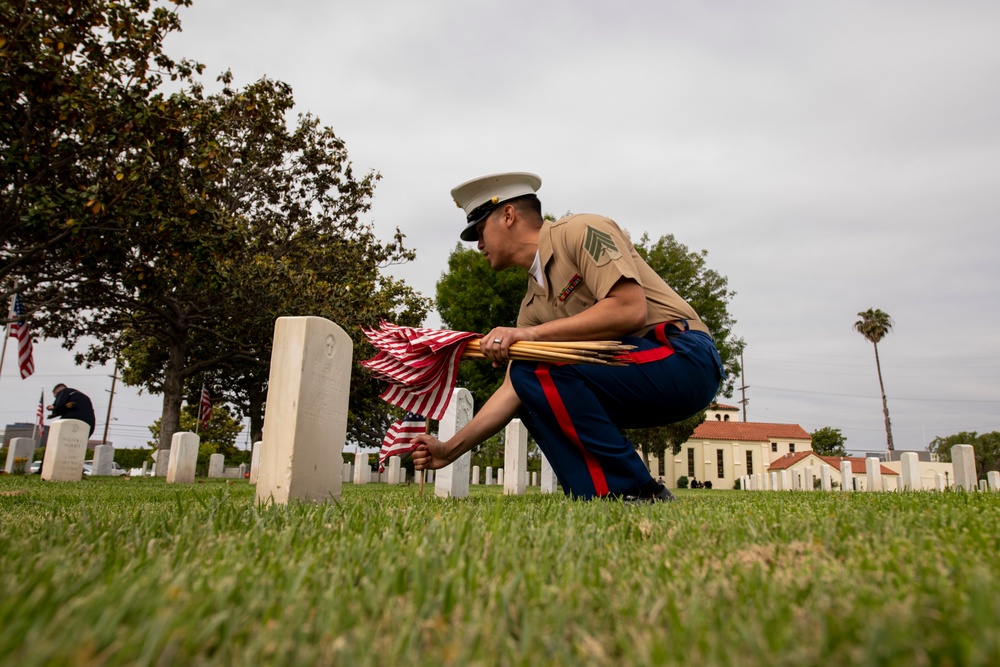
[(774, 447), (791, 448), (727, 418), (660, 464), (720, 461), (690, 462), (718, 418), (749, 462)]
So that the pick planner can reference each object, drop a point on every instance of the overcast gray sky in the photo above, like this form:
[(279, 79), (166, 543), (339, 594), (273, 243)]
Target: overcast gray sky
[(829, 156)]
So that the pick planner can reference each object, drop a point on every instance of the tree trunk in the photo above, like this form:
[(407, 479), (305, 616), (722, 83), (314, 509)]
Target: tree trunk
[(173, 393), (885, 404), (256, 413)]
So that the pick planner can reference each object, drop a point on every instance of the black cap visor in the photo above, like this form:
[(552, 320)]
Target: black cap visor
[(478, 214)]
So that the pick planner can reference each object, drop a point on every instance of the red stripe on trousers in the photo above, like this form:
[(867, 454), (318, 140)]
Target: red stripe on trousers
[(566, 425)]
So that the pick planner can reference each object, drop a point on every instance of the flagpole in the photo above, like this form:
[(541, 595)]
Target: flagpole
[(427, 429), (111, 399), (41, 400), (197, 412), (6, 332)]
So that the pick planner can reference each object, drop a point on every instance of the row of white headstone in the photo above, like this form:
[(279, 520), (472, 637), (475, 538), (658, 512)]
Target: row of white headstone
[(515, 457), (304, 429), (963, 460)]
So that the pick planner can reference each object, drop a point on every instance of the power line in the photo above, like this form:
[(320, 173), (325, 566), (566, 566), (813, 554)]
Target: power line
[(892, 398)]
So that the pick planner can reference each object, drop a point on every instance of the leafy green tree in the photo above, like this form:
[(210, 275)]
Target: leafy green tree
[(133, 458), (708, 293), (705, 289), (218, 436), (874, 325), (986, 448), (80, 110), (472, 297), (829, 441), (248, 219)]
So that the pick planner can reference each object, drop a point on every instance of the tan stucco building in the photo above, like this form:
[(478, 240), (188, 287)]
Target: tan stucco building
[(721, 449)]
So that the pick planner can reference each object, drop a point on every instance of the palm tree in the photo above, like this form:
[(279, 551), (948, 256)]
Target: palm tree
[(874, 325)]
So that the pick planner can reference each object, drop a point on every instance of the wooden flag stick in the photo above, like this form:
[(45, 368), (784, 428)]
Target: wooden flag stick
[(582, 352), (427, 430), (548, 356)]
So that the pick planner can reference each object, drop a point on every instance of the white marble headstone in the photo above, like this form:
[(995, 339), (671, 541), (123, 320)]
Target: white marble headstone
[(910, 464), (20, 448), (993, 478), (305, 423), (846, 476), (216, 465), (515, 458), (453, 480), (963, 460), (65, 450), (255, 461), (362, 472), (394, 470), (548, 483), (873, 471), (183, 458)]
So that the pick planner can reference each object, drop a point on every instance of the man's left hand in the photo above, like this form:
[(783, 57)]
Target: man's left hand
[(495, 345)]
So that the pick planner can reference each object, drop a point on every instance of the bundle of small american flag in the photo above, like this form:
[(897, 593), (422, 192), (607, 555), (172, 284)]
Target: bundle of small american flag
[(421, 365)]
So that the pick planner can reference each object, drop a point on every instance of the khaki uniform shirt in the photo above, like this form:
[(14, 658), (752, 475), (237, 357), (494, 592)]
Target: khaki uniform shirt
[(582, 257)]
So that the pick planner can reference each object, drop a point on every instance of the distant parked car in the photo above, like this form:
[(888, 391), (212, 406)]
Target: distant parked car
[(116, 470)]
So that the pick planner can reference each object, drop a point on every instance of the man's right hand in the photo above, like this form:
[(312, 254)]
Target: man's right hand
[(430, 454)]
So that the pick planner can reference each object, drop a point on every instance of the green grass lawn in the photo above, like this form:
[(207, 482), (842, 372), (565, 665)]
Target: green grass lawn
[(116, 571)]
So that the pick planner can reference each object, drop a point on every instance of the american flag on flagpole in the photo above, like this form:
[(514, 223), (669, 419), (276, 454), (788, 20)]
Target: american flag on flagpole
[(40, 414), (399, 438), (420, 365), (205, 408), (19, 330)]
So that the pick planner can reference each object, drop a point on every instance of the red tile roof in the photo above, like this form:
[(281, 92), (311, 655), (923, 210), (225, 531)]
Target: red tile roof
[(749, 431), (722, 406), (858, 464)]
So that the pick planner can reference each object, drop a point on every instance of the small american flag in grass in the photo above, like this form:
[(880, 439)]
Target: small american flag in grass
[(420, 365), (399, 438)]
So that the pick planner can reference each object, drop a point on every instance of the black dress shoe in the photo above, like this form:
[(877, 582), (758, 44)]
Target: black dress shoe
[(662, 495)]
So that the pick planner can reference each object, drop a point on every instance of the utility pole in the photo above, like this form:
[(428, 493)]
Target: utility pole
[(743, 389), (111, 399)]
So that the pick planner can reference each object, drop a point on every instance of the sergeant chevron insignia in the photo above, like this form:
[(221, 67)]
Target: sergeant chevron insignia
[(597, 242)]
